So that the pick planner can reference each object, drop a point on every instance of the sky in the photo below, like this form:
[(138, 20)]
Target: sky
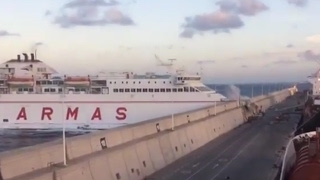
[(230, 40)]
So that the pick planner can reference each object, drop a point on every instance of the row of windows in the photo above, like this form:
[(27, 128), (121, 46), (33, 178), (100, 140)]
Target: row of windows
[(139, 82), (61, 82), (151, 90)]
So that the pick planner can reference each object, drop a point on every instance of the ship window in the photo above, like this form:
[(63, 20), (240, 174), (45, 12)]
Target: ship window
[(155, 82), (164, 82), (127, 90), (156, 90), (148, 82), (180, 90), (43, 82), (150, 90), (168, 90), (139, 82), (134, 82), (145, 90), (60, 90), (192, 89), (115, 82), (49, 82), (110, 82), (30, 89), (25, 89), (76, 89), (120, 90), (46, 90), (133, 90), (174, 90), (52, 90), (186, 89), (20, 90), (122, 82), (170, 82), (115, 90), (126, 82), (162, 90), (139, 90), (37, 82)]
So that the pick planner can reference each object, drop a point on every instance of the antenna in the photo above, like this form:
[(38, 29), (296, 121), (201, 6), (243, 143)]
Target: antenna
[(168, 65), (35, 53)]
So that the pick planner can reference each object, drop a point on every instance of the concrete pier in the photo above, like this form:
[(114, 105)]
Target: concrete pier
[(131, 152)]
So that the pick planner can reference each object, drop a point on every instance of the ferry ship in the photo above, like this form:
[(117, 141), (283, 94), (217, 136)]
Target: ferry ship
[(301, 160), (34, 96)]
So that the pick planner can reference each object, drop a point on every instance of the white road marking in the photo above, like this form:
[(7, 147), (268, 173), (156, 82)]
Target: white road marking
[(195, 165), (235, 157), (217, 157), (216, 165)]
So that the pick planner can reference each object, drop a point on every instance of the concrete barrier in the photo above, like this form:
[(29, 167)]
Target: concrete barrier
[(129, 152)]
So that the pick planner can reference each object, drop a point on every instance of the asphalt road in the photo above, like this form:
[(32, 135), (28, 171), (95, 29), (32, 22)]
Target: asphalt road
[(246, 153)]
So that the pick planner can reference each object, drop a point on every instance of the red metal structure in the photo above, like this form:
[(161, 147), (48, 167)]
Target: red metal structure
[(307, 166)]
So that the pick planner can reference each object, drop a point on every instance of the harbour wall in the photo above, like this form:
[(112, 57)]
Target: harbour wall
[(131, 152)]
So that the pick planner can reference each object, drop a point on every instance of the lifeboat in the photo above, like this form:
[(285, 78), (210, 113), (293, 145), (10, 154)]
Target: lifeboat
[(85, 81), (29, 81)]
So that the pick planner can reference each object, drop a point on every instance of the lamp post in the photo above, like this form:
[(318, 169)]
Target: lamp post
[(63, 129)]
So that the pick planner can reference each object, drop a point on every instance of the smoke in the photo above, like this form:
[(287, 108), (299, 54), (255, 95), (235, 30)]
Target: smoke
[(232, 92)]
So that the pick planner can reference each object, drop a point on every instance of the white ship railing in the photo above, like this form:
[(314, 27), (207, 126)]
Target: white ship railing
[(289, 155)]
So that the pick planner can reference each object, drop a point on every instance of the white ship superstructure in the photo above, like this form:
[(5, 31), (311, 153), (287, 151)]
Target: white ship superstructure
[(314, 79), (32, 97)]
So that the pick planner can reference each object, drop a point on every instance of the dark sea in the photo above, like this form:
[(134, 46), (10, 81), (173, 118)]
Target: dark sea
[(16, 139)]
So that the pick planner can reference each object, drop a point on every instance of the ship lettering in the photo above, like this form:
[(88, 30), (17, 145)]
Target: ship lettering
[(96, 114), (22, 114), (121, 113), (72, 113), (46, 112)]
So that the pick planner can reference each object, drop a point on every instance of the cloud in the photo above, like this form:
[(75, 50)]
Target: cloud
[(299, 3), (48, 13), (243, 7), (222, 20), (309, 55), (313, 39), (91, 13), (285, 61), (216, 22), (4, 33), (87, 3), (244, 66), (289, 46)]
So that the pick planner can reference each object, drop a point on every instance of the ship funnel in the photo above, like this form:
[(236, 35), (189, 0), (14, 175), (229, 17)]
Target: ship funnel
[(18, 57), (32, 57), (25, 56)]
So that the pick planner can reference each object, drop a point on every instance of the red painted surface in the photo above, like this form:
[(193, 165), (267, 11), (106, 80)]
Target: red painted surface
[(96, 114), (46, 113), (307, 166), (72, 113), (121, 113), (22, 114)]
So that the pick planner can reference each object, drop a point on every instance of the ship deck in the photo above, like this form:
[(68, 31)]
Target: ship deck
[(248, 152)]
